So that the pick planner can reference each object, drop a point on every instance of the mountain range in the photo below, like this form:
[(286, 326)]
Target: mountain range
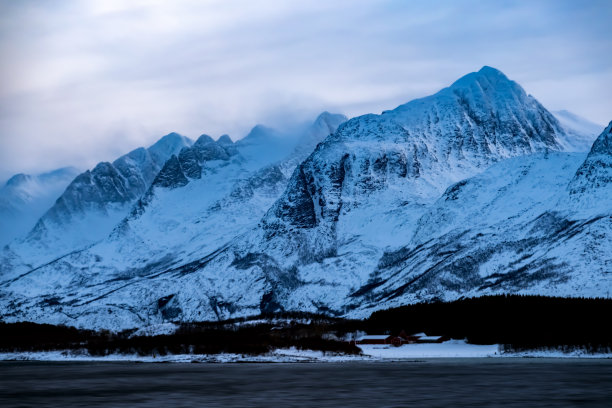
[(477, 189)]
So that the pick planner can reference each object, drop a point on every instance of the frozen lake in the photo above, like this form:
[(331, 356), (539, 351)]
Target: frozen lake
[(507, 382)]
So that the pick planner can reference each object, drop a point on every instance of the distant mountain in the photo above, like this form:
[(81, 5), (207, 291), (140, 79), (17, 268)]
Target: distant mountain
[(24, 198), (477, 189), (91, 205), (581, 131)]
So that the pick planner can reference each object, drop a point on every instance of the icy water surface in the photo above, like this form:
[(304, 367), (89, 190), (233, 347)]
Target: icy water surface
[(429, 383)]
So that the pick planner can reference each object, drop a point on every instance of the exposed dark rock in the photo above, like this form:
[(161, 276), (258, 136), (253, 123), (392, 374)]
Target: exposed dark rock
[(171, 176)]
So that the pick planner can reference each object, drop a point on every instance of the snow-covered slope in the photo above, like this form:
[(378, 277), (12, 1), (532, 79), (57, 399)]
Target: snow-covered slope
[(24, 198), (91, 205), (581, 131), (466, 192), (507, 230)]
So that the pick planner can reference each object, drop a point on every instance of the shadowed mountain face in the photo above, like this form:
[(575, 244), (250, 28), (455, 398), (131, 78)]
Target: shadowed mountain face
[(474, 190), (595, 174)]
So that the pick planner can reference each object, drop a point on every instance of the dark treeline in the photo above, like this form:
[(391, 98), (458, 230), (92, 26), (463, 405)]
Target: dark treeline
[(517, 322), (190, 338)]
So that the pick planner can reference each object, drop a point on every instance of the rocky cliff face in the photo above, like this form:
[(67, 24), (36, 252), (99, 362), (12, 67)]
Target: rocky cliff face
[(189, 164), (595, 174)]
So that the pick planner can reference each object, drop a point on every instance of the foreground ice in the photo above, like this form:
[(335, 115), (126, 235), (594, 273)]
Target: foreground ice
[(453, 348)]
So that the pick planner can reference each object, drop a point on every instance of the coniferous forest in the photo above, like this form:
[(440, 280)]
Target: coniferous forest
[(518, 323)]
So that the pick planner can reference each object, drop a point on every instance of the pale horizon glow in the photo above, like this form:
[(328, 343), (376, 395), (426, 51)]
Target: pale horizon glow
[(83, 82)]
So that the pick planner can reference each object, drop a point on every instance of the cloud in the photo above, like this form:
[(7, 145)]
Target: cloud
[(82, 82)]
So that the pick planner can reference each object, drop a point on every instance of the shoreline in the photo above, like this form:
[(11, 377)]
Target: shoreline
[(453, 349)]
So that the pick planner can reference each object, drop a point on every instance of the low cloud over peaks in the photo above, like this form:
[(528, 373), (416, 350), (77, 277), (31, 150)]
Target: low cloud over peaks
[(86, 81)]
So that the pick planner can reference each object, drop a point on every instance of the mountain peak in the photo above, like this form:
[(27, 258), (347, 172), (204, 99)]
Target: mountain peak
[(488, 79), (172, 138), (170, 144), (482, 117), (259, 129), (204, 139), (327, 116), (225, 139), (259, 133), (17, 179), (47, 177), (330, 119), (102, 167), (490, 71)]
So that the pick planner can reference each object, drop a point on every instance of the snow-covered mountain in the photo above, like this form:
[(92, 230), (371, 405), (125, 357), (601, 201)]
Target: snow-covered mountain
[(376, 165), (211, 192), (91, 205), (581, 131), (359, 197), (477, 189), (202, 198), (24, 198)]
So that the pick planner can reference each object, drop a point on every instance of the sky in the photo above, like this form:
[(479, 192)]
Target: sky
[(87, 81)]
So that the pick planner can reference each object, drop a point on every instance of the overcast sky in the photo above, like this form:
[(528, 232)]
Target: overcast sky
[(86, 81)]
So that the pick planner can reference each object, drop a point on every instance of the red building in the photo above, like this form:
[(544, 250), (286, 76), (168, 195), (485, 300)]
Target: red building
[(408, 338), (375, 339)]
